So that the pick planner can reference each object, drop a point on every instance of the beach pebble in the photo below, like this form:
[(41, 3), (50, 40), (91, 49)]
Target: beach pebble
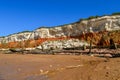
[(51, 66), (41, 70), (19, 69)]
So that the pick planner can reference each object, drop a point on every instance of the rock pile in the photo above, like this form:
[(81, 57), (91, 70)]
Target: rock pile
[(60, 44)]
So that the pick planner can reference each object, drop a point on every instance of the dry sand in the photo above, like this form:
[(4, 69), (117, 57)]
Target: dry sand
[(58, 67)]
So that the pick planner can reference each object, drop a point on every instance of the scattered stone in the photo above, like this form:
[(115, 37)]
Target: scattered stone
[(61, 44), (51, 66), (41, 70), (19, 69)]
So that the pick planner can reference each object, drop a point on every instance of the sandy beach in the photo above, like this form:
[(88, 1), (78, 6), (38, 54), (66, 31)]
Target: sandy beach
[(58, 67)]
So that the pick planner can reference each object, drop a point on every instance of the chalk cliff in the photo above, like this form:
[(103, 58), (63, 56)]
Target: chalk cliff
[(105, 23)]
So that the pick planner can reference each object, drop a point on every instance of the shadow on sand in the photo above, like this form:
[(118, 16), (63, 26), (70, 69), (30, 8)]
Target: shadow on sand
[(1, 77), (41, 77)]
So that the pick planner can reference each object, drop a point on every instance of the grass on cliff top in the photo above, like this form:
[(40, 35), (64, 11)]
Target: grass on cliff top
[(97, 16)]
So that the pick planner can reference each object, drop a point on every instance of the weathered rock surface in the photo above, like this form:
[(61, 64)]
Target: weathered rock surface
[(105, 23), (60, 44)]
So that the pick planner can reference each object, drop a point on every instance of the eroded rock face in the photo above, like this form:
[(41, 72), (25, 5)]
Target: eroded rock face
[(60, 44), (16, 37), (107, 23)]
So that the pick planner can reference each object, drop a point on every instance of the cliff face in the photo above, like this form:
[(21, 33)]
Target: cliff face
[(105, 23)]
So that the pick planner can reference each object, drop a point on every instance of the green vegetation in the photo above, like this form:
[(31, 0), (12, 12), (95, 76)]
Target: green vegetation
[(23, 32), (117, 13), (19, 32), (2, 36), (43, 27), (93, 17)]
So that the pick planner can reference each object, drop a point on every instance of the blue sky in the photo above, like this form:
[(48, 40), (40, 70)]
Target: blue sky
[(22, 15)]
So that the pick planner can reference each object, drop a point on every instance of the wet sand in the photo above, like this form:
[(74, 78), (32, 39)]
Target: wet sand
[(58, 67)]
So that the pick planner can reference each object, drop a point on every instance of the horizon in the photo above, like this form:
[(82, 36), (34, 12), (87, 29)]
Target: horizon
[(25, 15)]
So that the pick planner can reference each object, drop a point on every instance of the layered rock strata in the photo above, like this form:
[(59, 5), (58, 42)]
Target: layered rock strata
[(105, 23)]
